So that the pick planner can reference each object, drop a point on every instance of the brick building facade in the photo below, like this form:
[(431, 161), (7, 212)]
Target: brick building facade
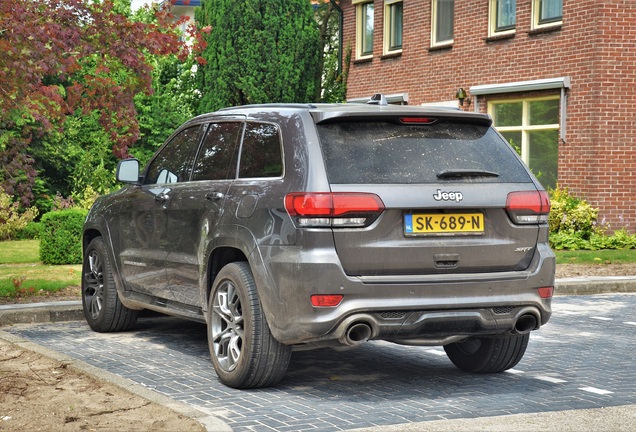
[(558, 77)]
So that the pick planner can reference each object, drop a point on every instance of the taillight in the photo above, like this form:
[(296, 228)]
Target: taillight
[(339, 209), (528, 207)]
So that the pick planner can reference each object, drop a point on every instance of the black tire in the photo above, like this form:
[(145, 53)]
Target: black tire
[(102, 309), (488, 354), (242, 348)]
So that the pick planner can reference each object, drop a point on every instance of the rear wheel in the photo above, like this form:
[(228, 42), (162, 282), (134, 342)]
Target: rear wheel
[(242, 348), (102, 308), (488, 354)]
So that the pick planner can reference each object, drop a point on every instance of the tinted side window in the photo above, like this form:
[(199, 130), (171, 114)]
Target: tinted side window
[(261, 154), (217, 158), (174, 162), (378, 152)]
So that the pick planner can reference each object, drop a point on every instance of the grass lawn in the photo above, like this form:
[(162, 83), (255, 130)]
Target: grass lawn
[(21, 272), (19, 251), (600, 257)]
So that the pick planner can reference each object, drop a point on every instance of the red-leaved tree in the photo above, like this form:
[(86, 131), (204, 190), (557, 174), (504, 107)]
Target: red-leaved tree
[(60, 56)]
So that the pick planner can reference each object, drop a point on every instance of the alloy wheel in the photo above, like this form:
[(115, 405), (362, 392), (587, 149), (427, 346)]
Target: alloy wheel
[(94, 284), (227, 326)]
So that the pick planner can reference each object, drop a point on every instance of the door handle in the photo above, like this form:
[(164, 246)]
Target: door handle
[(214, 196)]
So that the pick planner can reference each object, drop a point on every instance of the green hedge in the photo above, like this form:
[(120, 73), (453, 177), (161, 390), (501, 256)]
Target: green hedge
[(61, 237), (30, 232)]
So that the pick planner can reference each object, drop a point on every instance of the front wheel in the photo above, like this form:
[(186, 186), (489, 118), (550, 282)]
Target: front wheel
[(242, 348), (488, 354), (102, 309)]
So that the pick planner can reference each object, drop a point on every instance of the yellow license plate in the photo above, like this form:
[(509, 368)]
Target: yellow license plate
[(443, 223)]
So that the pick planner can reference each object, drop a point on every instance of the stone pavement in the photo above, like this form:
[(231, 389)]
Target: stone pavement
[(583, 359)]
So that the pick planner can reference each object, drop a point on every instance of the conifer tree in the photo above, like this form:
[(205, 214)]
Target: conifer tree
[(258, 51)]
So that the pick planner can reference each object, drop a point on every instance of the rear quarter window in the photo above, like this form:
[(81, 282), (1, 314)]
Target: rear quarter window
[(383, 152), (261, 155)]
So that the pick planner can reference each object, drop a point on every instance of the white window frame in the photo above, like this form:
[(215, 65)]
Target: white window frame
[(360, 28), (561, 83), (525, 126), (536, 18), (492, 20), (389, 26), (434, 24)]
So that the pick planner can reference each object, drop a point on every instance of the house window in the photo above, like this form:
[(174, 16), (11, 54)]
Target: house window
[(531, 126), (392, 26), (503, 16), (364, 29), (443, 14), (547, 12)]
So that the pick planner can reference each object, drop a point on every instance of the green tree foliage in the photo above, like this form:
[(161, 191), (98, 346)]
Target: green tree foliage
[(333, 78), (173, 101), (258, 51), (76, 157), (65, 58)]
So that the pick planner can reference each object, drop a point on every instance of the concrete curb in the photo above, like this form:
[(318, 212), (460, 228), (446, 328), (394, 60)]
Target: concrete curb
[(596, 285), (41, 312), (207, 420)]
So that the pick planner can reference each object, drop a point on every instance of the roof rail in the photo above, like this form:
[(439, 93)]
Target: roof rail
[(377, 99)]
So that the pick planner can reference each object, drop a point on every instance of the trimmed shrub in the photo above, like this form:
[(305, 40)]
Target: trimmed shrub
[(61, 237), (571, 215), (12, 219), (573, 226), (30, 232)]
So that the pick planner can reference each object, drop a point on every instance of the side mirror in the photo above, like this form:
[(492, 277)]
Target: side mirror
[(128, 171)]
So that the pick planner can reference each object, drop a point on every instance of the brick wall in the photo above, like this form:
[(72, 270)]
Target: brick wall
[(595, 47)]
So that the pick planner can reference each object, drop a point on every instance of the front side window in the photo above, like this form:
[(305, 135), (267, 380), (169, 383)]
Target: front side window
[(261, 154), (547, 12), (532, 128), (503, 16), (443, 14), (393, 11), (217, 157), (364, 29), (174, 163)]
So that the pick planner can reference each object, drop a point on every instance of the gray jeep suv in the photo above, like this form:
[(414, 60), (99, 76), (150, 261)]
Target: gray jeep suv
[(298, 226)]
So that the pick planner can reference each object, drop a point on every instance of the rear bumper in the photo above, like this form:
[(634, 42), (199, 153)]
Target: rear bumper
[(415, 310)]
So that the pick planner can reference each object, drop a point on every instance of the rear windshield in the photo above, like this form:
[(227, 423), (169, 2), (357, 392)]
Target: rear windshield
[(380, 152)]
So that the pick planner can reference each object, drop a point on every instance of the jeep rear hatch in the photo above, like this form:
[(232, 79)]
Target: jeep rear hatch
[(455, 197)]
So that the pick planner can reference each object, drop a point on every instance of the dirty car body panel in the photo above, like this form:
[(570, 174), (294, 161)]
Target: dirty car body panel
[(345, 222)]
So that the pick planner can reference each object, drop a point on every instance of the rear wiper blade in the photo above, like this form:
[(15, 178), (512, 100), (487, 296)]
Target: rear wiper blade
[(455, 173)]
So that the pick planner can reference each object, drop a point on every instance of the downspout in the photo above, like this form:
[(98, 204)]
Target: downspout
[(340, 24)]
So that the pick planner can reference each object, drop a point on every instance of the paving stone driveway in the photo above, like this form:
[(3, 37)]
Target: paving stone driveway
[(584, 358)]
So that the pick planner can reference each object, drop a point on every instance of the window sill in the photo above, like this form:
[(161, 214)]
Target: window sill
[(441, 47), (547, 29), (363, 60), (499, 37), (391, 55)]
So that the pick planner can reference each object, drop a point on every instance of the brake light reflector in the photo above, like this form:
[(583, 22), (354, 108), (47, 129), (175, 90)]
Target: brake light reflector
[(333, 209), (528, 207), (328, 300), (546, 292)]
